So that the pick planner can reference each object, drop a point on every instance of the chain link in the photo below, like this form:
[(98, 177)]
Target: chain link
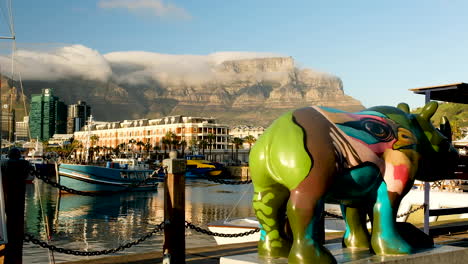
[(208, 232), (221, 181), (398, 216), (43, 244), (102, 193)]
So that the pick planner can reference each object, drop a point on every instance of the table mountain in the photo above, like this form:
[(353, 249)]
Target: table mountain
[(247, 91)]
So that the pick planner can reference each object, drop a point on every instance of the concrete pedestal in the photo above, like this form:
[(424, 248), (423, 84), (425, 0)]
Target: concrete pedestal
[(439, 254)]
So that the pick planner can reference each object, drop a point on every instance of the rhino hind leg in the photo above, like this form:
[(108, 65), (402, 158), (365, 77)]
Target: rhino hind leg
[(307, 226), (270, 209), (356, 234)]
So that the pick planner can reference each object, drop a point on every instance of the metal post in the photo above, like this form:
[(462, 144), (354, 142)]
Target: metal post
[(427, 186), (14, 172), (174, 210)]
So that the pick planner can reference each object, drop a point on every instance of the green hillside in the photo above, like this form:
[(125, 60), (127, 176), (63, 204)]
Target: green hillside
[(456, 113)]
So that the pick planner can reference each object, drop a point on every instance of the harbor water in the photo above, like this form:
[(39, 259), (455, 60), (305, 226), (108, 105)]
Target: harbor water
[(105, 222)]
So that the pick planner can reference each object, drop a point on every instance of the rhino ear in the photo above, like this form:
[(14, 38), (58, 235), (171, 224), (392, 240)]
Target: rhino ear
[(404, 107), (445, 128), (429, 110)]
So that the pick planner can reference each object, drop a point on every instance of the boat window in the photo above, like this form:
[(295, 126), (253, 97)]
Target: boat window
[(131, 175), (123, 175)]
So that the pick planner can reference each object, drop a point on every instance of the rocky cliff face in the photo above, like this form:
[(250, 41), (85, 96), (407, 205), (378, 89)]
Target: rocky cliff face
[(250, 91)]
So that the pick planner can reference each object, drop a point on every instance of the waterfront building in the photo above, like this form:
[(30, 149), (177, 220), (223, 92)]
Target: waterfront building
[(60, 139), (152, 131), (48, 115), (77, 115), (243, 131), (22, 129), (7, 123)]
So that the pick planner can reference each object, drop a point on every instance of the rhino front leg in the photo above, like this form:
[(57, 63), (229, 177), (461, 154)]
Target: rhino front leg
[(385, 238), (356, 234)]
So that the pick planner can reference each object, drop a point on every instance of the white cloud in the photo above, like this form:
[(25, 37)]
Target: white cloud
[(63, 62), (134, 67), (152, 7)]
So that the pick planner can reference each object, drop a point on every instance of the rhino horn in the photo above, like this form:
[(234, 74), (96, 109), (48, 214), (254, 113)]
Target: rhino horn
[(445, 128), (404, 107), (428, 110)]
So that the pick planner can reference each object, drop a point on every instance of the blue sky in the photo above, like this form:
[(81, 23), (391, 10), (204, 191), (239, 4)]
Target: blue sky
[(380, 49)]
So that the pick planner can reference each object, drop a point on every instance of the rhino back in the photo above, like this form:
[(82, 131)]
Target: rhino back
[(279, 155)]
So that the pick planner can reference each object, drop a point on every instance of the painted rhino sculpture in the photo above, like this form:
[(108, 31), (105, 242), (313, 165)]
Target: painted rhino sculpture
[(365, 161)]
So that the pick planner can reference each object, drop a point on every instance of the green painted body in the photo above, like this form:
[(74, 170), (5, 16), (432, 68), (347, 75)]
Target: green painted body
[(364, 161)]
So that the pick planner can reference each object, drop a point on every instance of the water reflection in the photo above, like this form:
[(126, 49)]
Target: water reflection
[(105, 222)]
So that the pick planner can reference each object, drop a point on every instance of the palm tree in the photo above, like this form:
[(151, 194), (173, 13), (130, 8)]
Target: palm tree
[(166, 142), (94, 140), (211, 139), (131, 143), (121, 147), (183, 144), (238, 144), (193, 143), (148, 148), (250, 140), (140, 144), (203, 144), (169, 138)]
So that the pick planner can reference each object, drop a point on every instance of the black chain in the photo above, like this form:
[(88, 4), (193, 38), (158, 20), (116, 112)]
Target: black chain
[(43, 244), (398, 216), (208, 232), (221, 181), (73, 191)]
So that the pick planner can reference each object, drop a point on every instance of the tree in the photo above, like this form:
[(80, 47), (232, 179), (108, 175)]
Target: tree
[(140, 144), (238, 144), (250, 140), (94, 140), (193, 144), (166, 142), (211, 139), (202, 145), (131, 144), (183, 144), (148, 147), (168, 138)]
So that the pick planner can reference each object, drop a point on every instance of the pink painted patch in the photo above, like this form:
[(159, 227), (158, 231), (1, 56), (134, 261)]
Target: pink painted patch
[(401, 173)]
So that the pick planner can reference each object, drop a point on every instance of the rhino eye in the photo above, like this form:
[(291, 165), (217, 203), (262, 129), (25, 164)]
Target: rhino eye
[(378, 129)]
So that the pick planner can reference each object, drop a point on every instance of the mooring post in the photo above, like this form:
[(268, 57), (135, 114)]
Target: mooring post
[(14, 173), (174, 210)]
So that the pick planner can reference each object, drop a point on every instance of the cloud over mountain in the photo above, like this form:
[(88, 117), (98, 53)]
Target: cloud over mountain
[(131, 67)]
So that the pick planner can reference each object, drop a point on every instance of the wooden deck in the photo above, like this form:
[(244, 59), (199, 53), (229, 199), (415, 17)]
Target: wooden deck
[(445, 233)]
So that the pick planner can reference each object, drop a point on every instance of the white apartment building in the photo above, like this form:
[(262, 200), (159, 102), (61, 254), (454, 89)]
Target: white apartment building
[(152, 131), (243, 131)]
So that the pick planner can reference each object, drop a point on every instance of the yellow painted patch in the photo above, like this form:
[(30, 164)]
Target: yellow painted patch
[(263, 208), (273, 234), (268, 197)]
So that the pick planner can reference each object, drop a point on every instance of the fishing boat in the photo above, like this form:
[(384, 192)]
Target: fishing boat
[(197, 165), (113, 177), (118, 175)]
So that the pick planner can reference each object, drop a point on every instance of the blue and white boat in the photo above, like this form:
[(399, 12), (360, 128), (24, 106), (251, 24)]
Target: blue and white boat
[(113, 177)]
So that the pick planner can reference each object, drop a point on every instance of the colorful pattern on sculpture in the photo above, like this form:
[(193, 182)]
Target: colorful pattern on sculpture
[(366, 161)]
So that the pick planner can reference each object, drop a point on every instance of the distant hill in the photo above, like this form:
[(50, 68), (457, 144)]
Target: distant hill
[(248, 91), (456, 113)]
